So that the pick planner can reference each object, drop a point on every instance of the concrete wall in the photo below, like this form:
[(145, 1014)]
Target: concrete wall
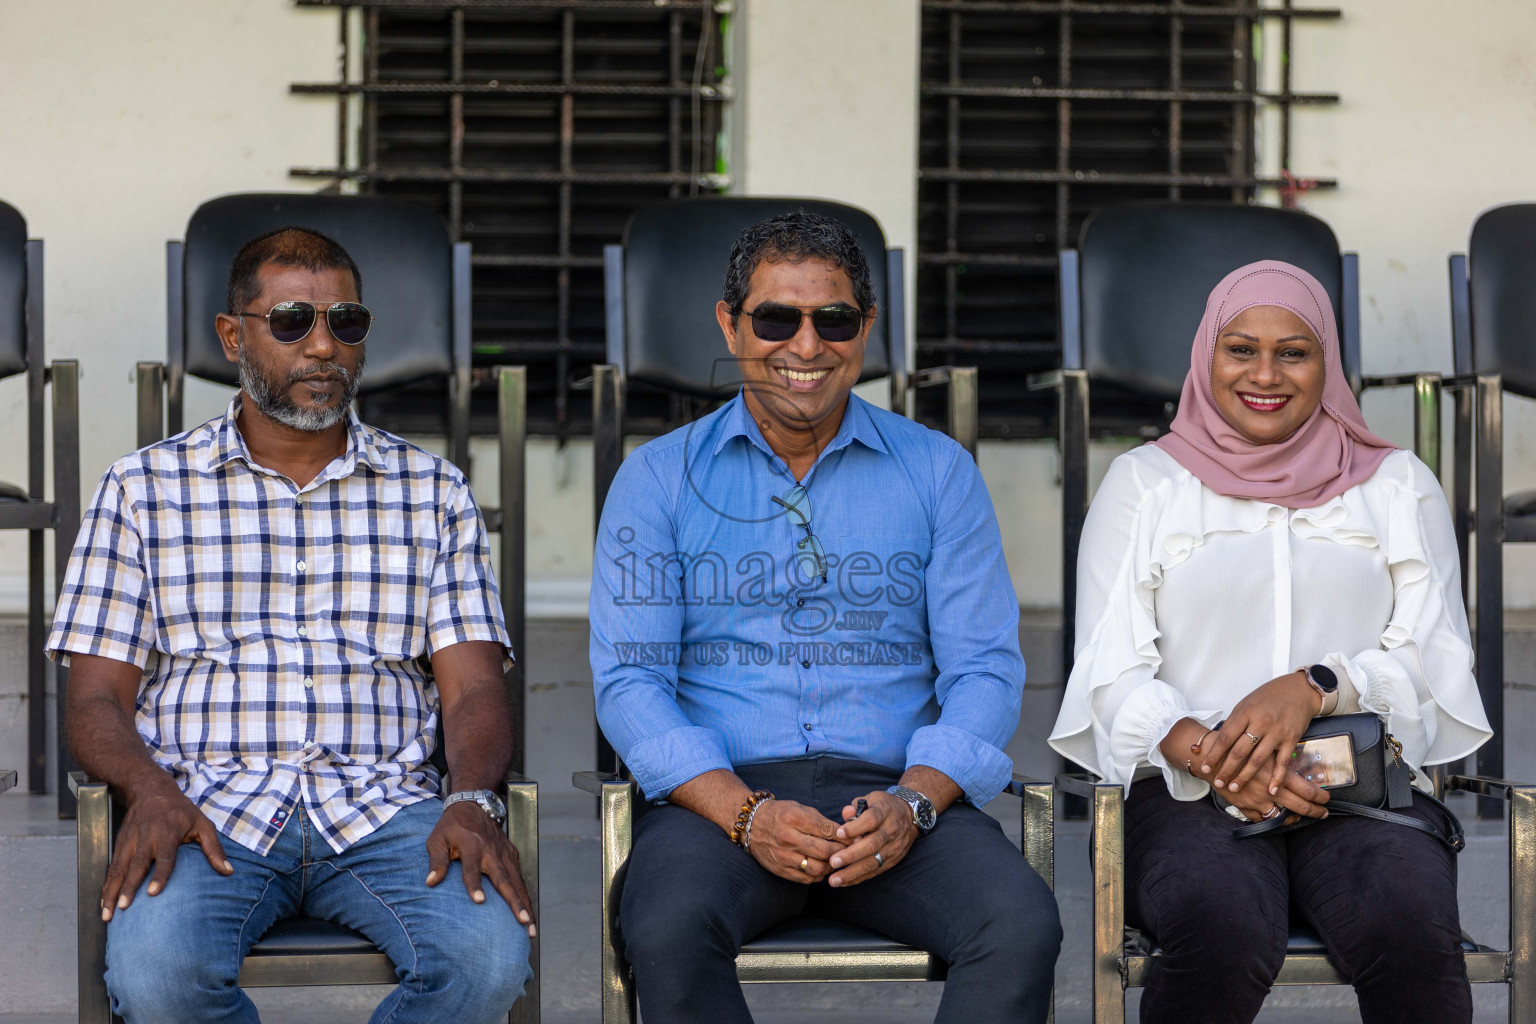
[(117, 119)]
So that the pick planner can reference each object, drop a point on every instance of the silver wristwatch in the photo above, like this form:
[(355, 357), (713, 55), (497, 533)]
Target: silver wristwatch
[(489, 802), (923, 814)]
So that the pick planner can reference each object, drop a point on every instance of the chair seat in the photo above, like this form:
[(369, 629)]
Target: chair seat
[(819, 935), (1520, 504), (1302, 941), (308, 936), (11, 492)]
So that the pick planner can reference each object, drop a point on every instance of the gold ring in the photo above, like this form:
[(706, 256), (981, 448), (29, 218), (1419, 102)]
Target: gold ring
[(805, 864), (1252, 737)]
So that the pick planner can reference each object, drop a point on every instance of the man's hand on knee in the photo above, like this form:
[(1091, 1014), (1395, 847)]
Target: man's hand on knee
[(885, 828), (156, 825), (468, 835), (793, 841)]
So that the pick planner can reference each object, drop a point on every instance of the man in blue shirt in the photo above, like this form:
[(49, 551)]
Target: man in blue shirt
[(805, 647)]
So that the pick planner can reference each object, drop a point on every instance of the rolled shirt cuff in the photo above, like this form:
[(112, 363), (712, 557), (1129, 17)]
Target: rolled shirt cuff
[(980, 770), (663, 762)]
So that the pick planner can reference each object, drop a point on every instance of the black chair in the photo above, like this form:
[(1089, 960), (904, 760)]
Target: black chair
[(1123, 956), (296, 951), (1132, 295), (417, 282), (1493, 324), (26, 507), (660, 289), (805, 949)]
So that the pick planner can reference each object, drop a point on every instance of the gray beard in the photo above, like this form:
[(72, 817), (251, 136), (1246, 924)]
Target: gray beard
[(284, 410)]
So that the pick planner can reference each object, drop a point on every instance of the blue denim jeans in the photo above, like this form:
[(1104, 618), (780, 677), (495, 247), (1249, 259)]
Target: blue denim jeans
[(174, 958)]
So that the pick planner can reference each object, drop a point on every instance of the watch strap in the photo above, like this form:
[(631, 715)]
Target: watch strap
[(485, 799)]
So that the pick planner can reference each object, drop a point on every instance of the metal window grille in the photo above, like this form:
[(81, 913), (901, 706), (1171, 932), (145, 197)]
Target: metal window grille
[(1033, 115), (536, 127)]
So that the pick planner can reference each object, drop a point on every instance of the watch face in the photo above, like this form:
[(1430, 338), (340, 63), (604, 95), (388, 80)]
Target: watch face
[(1323, 676)]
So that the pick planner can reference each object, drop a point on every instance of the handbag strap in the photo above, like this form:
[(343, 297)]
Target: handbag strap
[(1453, 837)]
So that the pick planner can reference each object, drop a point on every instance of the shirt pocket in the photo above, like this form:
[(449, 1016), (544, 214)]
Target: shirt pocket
[(384, 594)]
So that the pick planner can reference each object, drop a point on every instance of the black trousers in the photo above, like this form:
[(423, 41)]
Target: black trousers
[(964, 893), (1381, 896)]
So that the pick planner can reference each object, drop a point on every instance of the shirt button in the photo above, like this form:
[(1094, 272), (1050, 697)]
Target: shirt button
[(805, 664), (807, 726), (303, 631), (800, 603), (298, 499), (309, 683), (301, 566)]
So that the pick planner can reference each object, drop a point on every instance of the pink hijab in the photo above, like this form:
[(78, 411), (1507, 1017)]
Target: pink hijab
[(1326, 456)]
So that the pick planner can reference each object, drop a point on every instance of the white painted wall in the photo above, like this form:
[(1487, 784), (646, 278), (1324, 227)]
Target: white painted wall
[(1437, 123), (116, 120)]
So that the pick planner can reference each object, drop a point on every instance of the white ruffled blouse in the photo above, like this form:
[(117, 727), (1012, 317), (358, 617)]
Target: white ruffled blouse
[(1188, 600)]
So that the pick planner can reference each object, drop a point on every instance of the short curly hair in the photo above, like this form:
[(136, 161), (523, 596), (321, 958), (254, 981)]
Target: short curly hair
[(305, 248), (794, 238)]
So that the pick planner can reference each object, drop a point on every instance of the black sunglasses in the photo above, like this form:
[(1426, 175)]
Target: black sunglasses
[(291, 322), (774, 322)]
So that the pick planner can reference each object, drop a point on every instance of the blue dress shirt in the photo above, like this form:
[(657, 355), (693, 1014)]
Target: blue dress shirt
[(713, 644)]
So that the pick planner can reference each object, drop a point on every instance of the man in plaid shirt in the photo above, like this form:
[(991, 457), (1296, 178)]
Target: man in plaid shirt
[(243, 617)]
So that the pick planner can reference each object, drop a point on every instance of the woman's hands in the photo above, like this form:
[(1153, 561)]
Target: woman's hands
[(1295, 794), (1261, 733)]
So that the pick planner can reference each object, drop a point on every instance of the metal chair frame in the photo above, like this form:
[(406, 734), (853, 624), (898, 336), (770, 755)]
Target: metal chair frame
[(360, 964), (7, 779), (617, 798), (36, 515), (1123, 957), (1478, 438)]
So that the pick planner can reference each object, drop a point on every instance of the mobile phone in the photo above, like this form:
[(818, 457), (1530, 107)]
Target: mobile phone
[(1328, 761)]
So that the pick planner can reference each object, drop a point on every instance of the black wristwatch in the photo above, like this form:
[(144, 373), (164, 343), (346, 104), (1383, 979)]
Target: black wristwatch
[(1322, 679), (923, 814)]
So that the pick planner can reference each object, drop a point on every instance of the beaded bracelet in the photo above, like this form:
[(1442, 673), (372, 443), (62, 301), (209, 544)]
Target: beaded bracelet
[(744, 819)]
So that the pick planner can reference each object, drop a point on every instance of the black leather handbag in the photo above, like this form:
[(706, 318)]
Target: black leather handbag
[(1382, 782)]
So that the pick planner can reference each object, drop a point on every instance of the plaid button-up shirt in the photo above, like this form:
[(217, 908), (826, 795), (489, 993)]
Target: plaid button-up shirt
[(278, 627)]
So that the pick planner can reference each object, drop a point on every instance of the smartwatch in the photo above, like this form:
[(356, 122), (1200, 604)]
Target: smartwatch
[(923, 814), (1322, 679), (487, 800)]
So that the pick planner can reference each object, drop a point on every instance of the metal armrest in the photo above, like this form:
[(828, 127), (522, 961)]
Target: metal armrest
[(522, 796), (1483, 785), (1395, 380), (1107, 841), (1037, 824), (93, 830), (961, 384), (617, 804)]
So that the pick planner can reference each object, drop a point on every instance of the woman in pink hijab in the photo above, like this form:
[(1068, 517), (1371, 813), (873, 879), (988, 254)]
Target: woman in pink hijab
[(1268, 561)]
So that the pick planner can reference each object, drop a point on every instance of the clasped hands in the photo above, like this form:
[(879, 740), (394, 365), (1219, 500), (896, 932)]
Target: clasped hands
[(786, 834), (1250, 759)]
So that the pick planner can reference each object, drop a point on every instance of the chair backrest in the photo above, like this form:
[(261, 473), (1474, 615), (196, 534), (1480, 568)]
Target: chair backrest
[(1147, 269), (1501, 267), (675, 256), (13, 291), (403, 251)]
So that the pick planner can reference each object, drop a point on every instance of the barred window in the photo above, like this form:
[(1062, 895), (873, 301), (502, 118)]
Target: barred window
[(1033, 115), (536, 127)]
